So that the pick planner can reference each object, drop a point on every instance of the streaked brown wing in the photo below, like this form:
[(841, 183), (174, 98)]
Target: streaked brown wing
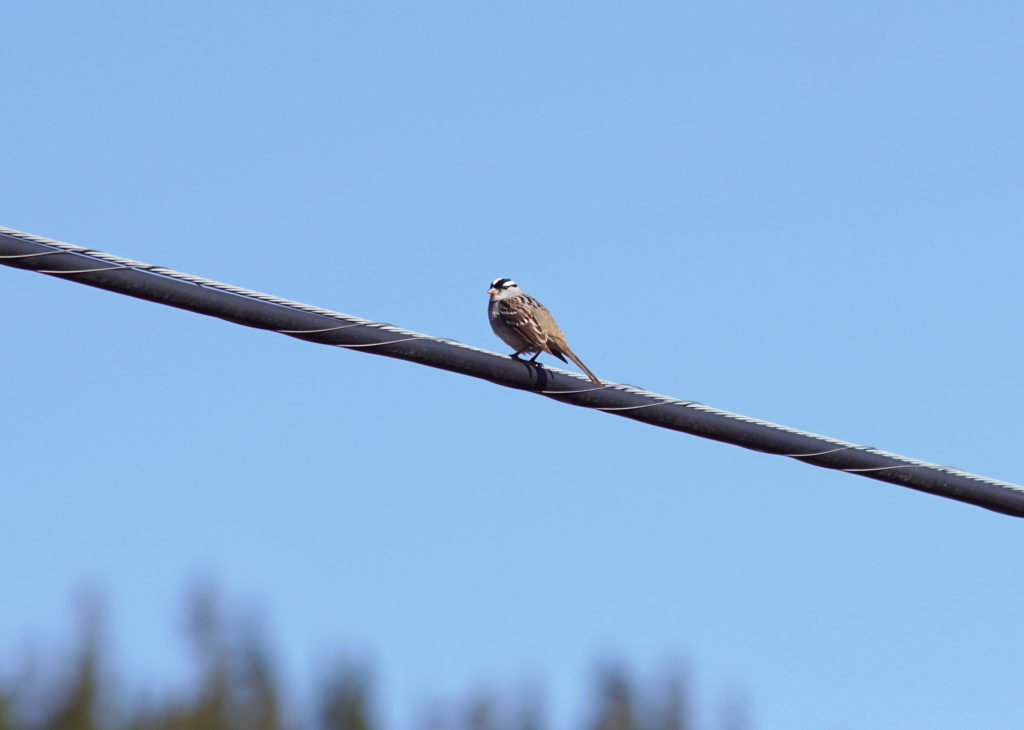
[(521, 314), (554, 340)]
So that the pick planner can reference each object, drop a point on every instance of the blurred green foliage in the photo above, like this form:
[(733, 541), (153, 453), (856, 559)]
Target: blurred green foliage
[(235, 687)]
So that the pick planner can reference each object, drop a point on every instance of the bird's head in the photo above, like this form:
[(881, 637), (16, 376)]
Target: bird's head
[(501, 285)]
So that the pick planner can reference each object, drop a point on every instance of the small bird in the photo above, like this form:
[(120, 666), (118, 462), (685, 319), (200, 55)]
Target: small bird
[(526, 325)]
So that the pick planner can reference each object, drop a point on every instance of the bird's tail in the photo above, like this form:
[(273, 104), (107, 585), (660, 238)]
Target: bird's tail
[(581, 366)]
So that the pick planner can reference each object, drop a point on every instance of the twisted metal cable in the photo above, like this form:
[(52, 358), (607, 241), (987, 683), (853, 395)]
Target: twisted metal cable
[(308, 322)]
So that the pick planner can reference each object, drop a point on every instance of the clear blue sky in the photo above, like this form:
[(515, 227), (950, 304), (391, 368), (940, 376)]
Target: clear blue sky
[(806, 212)]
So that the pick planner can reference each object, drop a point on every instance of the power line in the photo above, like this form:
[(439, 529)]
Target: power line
[(306, 322)]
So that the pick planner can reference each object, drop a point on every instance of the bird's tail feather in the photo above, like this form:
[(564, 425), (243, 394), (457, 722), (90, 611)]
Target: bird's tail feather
[(581, 366)]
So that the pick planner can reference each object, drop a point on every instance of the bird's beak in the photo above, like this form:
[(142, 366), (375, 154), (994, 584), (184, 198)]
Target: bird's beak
[(492, 291)]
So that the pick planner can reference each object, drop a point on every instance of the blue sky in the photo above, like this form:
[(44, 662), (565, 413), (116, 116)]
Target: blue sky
[(805, 212)]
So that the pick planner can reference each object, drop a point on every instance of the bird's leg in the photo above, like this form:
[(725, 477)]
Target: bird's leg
[(535, 356)]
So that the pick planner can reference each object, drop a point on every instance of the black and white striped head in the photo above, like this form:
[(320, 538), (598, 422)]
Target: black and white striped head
[(502, 286)]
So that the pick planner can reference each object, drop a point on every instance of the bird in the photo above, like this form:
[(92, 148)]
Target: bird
[(525, 325)]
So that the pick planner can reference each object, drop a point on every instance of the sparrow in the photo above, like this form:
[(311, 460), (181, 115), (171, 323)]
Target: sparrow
[(525, 325)]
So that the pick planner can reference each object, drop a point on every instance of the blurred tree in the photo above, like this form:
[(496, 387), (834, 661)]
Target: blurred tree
[(6, 723), (237, 688), (210, 711), (615, 701), (344, 698), (76, 708), (480, 713), (258, 703), (671, 709)]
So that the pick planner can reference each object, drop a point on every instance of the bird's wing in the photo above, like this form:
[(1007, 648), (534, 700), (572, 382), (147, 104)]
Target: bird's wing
[(522, 315), (554, 340)]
